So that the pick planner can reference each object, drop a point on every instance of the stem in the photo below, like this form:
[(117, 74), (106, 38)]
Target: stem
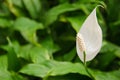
[(84, 62), (46, 76)]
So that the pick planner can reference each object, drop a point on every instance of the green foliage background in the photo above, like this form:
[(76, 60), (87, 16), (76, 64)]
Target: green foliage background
[(37, 40)]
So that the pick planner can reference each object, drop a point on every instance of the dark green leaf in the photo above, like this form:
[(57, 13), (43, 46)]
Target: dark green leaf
[(53, 13), (109, 47), (12, 59), (70, 56), (49, 45), (71, 76)]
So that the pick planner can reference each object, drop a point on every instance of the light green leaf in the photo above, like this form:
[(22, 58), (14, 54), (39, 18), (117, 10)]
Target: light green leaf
[(5, 23), (12, 8), (5, 75), (33, 6), (35, 70), (116, 73), (117, 52), (37, 4), (28, 28), (18, 3), (62, 68), (53, 68), (39, 54), (3, 62), (24, 52), (105, 76), (16, 76), (33, 53)]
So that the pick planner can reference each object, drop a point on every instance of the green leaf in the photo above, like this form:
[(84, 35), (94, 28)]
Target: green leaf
[(33, 6), (28, 28), (15, 46), (67, 67), (37, 4), (105, 75), (12, 59), (105, 62), (116, 73), (34, 53), (24, 52), (76, 22), (71, 76), (18, 3), (5, 23), (53, 68), (70, 55), (12, 8), (35, 70), (106, 47), (117, 52), (16, 76), (108, 54), (39, 54), (53, 13), (3, 62), (5, 75), (49, 45)]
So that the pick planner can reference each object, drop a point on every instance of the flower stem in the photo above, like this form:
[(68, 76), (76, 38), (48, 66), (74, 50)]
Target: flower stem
[(85, 65)]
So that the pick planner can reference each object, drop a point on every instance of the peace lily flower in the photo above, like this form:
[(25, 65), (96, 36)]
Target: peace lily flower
[(89, 38)]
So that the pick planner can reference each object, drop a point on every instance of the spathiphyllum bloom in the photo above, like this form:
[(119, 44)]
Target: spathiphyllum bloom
[(89, 38)]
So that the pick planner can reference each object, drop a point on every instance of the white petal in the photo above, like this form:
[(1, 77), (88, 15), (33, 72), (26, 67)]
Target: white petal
[(92, 35)]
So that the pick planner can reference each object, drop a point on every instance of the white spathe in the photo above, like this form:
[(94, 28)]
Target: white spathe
[(92, 36)]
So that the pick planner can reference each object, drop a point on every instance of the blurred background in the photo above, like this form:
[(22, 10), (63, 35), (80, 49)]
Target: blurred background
[(38, 40)]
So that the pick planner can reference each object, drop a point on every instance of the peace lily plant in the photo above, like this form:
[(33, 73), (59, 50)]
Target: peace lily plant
[(89, 39)]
